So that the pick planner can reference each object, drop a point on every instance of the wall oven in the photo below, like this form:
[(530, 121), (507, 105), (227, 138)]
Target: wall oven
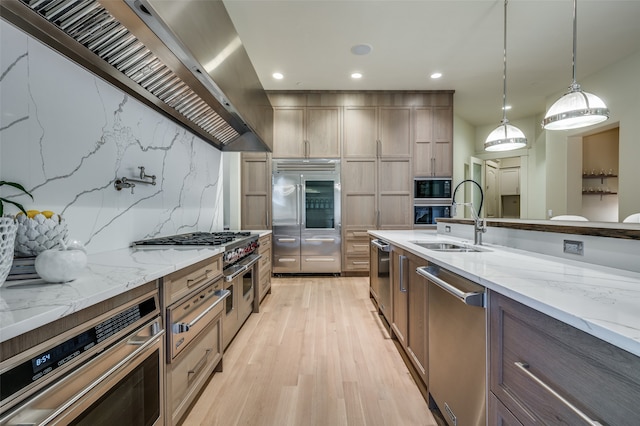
[(432, 190), (426, 214), (107, 371)]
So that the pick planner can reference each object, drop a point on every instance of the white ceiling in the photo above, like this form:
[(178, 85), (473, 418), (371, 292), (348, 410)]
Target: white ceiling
[(309, 41)]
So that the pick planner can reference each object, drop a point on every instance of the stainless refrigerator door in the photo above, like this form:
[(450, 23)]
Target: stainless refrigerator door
[(320, 201), (286, 200)]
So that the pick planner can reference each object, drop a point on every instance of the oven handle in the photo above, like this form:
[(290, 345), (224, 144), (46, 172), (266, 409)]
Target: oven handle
[(143, 345), (468, 298), (183, 327)]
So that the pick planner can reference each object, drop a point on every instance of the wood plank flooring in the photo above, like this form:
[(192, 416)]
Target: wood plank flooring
[(316, 354)]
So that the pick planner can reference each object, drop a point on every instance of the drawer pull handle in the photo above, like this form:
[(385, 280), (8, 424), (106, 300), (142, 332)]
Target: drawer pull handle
[(287, 240), (199, 365), (524, 367), (361, 262), (320, 240), (183, 327), (192, 282)]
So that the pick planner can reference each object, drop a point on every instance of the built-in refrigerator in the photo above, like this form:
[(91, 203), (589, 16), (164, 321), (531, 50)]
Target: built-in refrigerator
[(306, 216)]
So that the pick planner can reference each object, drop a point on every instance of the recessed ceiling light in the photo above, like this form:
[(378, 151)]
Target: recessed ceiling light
[(277, 75), (436, 75), (356, 75), (507, 107), (361, 49)]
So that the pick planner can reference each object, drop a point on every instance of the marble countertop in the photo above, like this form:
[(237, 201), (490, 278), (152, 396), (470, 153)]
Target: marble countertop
[(32, 304), (601, 301)]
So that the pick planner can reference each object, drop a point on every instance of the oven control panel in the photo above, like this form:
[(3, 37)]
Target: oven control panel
[(233, 255)]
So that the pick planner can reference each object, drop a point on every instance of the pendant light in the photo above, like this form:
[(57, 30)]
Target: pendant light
[(505, 137), (575, 108)]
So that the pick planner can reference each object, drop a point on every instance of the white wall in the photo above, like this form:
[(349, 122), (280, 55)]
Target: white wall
[(66, 135), (618, 86)]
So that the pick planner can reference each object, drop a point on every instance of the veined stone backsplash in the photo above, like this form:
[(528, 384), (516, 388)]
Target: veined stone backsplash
[(67, 135)]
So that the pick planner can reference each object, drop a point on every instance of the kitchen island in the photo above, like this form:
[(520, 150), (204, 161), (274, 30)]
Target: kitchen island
[(562, 339), (601, 301)]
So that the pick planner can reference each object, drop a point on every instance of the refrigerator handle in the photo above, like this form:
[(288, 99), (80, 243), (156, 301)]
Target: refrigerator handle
[(299, 200)]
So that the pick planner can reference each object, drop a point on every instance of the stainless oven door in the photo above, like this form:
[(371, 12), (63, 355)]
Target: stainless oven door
[(121, 386)]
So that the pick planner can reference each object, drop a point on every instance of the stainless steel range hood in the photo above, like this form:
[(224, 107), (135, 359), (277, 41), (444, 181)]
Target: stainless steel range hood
[(182, 58)]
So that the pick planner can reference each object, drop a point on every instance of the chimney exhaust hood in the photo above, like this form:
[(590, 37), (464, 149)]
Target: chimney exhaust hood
[(182, 58)]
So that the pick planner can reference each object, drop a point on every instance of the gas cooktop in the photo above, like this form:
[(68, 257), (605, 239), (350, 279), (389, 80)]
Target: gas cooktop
[(195, 239)]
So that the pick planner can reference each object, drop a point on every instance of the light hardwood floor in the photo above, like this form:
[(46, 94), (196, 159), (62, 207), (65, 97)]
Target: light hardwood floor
[(316, 354)]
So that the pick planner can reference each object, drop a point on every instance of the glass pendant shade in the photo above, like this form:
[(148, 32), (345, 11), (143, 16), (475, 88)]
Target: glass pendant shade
[(574, 110), (505, 137)]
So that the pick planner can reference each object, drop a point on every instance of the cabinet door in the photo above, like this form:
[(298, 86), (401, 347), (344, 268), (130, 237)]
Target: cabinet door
[(394, 132), (256, 191), (443, 141), (360, 132), (510, 181), (323, 132), (433, 145), (288, 132), (359, 194), (418, 341), (394, 194), (400, 286)]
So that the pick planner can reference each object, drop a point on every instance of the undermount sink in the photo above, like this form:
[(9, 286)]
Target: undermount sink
[(449, 247)]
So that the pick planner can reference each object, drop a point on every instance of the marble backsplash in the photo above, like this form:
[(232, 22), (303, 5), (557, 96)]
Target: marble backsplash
[(67, 135)]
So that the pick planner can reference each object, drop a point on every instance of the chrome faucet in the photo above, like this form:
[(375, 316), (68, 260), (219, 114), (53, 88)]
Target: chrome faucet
[(480, 225)]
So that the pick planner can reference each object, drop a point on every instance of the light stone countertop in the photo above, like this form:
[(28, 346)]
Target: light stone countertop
[(601, 301), (29, 305)]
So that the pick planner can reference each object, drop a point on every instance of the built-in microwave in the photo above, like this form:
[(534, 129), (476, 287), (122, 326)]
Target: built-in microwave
[(432, 189), (426, 214)]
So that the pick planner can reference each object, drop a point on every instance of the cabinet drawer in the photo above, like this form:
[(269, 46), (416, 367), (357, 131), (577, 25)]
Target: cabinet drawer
[(180, 283), (357, 234), (537, 361), (189, 372), (360, 246), (265, 242), (499, 415), (356, 263)]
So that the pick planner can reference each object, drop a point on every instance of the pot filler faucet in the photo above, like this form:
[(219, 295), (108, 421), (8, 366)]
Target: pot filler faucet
[(480, 226)]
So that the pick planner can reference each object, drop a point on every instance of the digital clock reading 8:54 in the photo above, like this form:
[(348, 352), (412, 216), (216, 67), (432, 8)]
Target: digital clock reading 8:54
[(41, 362)]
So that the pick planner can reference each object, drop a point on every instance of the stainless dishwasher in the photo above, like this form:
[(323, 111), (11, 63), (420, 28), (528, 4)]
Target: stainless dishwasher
[(457, 347)]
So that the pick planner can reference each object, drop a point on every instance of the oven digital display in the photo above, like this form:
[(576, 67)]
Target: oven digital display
[(64, 352)]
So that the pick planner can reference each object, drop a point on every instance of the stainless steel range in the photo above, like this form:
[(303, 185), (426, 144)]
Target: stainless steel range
[(240, 262)]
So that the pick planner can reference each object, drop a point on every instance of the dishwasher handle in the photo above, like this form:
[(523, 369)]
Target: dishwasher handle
[(468, 298), (382, 246)]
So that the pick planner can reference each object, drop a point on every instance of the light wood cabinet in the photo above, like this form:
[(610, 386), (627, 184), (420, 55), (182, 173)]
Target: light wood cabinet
[(510, 181), (264, 267), (306, 132), (539, 364), (433, 142), (418, 314), (394, 132), (394, 194), (360, 132), (400, 295), (256, 191)]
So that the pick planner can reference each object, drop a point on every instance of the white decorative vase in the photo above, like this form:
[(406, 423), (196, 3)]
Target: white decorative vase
[(8, 229), (60, 265)]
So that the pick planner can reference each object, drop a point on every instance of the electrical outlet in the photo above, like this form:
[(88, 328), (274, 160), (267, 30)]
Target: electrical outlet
[(447, 228), (574, 247)]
